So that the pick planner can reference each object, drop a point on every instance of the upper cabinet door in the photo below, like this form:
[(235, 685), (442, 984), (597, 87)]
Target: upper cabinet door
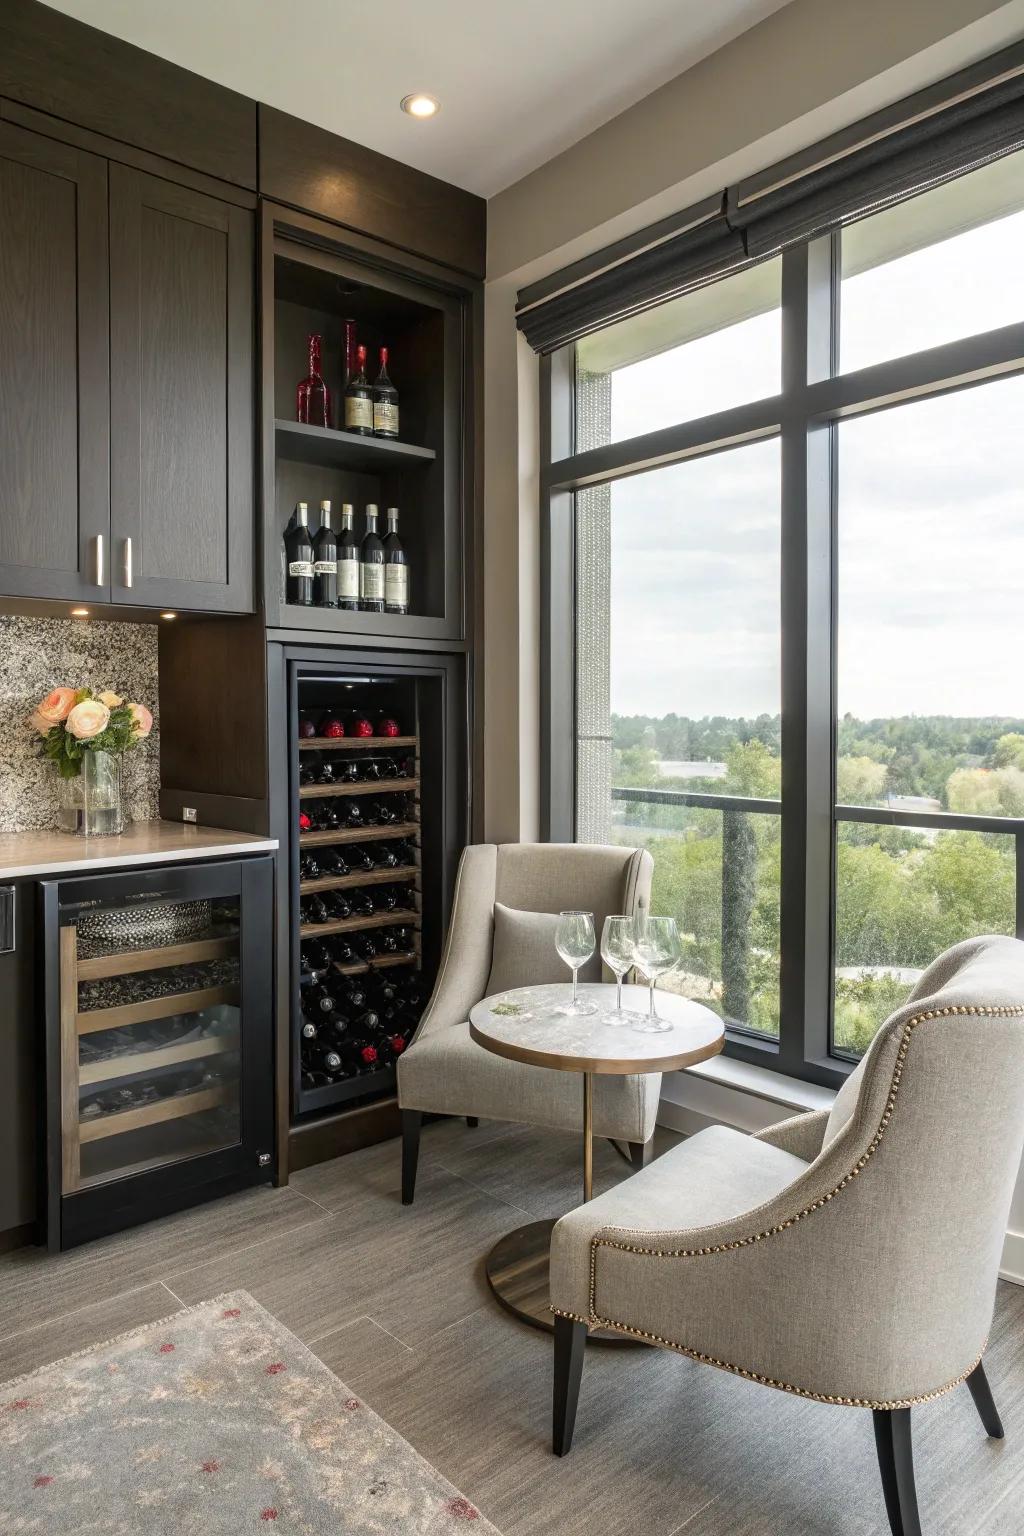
[(54, 396), (181, 397)]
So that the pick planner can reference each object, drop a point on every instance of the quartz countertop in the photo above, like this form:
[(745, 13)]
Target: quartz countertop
[(144, 842)]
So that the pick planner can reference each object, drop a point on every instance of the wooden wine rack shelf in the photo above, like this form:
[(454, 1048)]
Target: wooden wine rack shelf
[(93, 1019), (351, 882), (360, 743), (394, 833), (154, 1114), (99, 966), (129, 1063), (364, 787), (380, 963), (407, 919)]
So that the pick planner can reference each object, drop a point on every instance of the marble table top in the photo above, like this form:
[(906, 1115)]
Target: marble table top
[(542, 1037)]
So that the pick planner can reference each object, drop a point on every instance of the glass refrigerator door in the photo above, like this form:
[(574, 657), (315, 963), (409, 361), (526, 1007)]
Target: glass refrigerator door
[(149, 1034)]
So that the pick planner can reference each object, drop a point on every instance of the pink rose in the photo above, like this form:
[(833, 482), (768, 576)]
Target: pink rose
[(111, 700), (88, 719), (143, 719), (54, 708)]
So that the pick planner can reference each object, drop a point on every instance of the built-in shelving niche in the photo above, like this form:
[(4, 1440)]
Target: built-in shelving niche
[(316, 290)]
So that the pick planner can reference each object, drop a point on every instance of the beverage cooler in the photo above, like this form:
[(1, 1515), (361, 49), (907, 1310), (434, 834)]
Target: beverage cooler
[(159, 1075), (378, 812)]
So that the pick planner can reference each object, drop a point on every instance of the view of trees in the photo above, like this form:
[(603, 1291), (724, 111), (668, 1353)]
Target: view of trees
[(902, 895)]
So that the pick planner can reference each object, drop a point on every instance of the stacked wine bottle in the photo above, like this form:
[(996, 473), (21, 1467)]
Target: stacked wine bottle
[(361, 993)]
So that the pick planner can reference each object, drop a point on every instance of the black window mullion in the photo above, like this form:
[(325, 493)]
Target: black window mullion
[(557, 609)]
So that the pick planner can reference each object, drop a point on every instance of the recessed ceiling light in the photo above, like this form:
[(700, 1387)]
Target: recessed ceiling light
[(79, 613), (419, 104)]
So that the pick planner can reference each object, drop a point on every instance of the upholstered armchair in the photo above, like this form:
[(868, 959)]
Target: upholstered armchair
[(501, 935), (850, 1255)]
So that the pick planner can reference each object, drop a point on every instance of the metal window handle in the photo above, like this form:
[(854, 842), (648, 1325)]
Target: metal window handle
[(99, 559), (127, 562)]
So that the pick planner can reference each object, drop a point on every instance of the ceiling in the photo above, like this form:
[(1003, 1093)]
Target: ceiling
[(518, 80)]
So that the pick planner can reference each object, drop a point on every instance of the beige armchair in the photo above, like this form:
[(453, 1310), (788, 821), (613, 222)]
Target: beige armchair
[(849, 1256), (491, 945)]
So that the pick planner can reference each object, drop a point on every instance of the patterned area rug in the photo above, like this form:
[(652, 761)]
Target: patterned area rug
[(217, 1420)]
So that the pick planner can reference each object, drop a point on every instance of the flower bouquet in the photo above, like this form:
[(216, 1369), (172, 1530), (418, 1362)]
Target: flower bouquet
[(84, 735)]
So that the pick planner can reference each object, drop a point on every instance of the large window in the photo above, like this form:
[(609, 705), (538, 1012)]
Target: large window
[(796, 670)]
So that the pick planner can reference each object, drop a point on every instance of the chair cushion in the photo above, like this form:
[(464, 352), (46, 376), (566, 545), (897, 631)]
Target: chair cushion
[(711, 1177), (446, 1072), (524, 953)]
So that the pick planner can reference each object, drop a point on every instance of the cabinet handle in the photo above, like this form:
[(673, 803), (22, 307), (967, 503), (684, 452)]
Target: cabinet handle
[(99, 559), (127, 562)]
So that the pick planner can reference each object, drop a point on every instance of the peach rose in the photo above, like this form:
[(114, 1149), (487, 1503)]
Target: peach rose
[(54, 708), (88, 719), (111, 700), (143, 719)]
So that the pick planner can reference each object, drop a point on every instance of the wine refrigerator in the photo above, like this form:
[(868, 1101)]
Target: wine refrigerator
[(377, 815), (159, 1041)]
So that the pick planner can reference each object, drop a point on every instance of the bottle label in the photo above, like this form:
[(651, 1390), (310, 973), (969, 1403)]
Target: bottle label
[(371, 583), (385, 417), (300, 568), (348, 578), (358, 412), (325, 567), (396, 585)]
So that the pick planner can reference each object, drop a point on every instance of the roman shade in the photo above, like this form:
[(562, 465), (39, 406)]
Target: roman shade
[(961, 123)]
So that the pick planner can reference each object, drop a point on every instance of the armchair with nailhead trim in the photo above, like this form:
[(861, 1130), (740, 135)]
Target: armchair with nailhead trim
[(849, 1256)]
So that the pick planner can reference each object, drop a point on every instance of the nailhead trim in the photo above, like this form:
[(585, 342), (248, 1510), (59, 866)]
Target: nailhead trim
[(593, 1321)]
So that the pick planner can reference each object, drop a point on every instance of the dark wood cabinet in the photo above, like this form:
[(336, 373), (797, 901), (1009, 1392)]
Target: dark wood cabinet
[(54, 396), (181, 442)]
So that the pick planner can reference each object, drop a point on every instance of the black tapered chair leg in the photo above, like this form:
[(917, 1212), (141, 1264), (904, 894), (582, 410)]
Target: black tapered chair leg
[(641, 1152), (980, 1390), (472, 1121), (896, 1464), (570, 1342), (412, 1121)]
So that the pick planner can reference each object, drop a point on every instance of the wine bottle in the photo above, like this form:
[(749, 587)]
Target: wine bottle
[(309, 1030), (308, 770), (344, 953), (306, 728), (361, 1056), (339, 906), (352, 997), (359, 399), (385, 401), (348, 350), (313, 909), (388, 899), (364, 946), (371, 566), (324, 817), (363, 904), (346, 772), (334, 863), (314, 956), (352, 814), (348, 561), (325, 562), (309, 867), (360, 858), (317, 1000), (326, 1059), (313, 398), (387, 856), (298, 550), (396, 569)]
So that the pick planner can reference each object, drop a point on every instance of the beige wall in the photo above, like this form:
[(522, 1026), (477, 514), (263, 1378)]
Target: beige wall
[(806, 71)]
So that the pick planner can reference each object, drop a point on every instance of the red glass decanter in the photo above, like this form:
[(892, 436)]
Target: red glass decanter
[(313, 398)]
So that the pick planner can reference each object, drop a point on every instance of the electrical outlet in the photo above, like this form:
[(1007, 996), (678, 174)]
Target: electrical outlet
[(188, 813)]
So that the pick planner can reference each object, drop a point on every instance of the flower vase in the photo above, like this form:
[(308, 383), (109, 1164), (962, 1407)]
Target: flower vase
[(91, 802)]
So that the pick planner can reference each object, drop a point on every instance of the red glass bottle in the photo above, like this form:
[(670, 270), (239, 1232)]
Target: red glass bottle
[(313, 398)]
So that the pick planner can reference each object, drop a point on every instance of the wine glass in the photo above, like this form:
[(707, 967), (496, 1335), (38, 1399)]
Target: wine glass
[(574, 940), (617, 945), (656, 950)]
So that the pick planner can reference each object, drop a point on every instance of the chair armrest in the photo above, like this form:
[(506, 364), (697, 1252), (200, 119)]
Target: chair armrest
[(800, 1134), (466, 961)]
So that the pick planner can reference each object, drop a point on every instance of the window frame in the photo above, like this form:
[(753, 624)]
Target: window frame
[(813, 399)]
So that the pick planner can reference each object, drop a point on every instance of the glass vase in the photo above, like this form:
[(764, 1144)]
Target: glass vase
[(91, 802)]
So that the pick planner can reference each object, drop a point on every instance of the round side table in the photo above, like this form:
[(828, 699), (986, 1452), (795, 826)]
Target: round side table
[(517, 1266)]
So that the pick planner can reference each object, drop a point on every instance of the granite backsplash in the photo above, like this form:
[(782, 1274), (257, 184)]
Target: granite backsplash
[(39, 654)]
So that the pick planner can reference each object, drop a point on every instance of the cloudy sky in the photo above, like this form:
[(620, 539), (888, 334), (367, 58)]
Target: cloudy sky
[(931, 513)]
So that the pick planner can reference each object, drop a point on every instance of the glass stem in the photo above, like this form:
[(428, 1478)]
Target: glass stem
[(650, 984), (618, 995), (575, 975)]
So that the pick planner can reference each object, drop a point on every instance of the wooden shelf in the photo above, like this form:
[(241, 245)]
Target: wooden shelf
[(400, 831), (358, 924), (99, 966), (380, 963), (89, 1022), (351, 882), (365, 787), (362, 743), (154, 1114), (346, 450), (131, 1062)]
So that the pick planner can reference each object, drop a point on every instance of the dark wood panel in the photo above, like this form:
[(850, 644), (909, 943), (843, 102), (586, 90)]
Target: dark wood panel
[(20, 1069), (59, 65), (53, 367), (309, 168), (213, 721), (182, 396), (318, 1140)]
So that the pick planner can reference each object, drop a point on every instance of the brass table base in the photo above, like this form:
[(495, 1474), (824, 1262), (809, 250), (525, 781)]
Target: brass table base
[(517, 1272)]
